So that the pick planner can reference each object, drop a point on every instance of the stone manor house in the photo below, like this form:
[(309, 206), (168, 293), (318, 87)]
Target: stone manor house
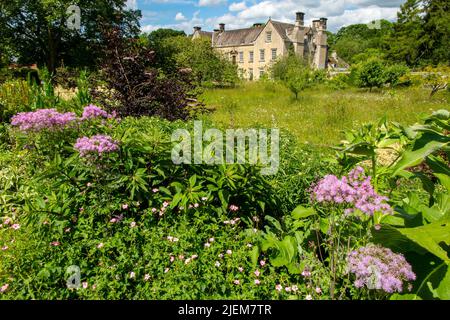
[(254, 49)]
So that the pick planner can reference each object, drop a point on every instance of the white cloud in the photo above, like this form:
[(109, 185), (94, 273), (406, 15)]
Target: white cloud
[(237, 6), (244, 13), (362, 15), (210, 3), (179, 17), (185, 25), (131, 4)]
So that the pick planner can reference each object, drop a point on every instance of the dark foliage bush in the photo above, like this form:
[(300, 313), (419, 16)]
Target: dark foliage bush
[(135, 88)]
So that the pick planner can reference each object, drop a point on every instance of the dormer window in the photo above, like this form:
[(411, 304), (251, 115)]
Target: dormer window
[(269, 36)]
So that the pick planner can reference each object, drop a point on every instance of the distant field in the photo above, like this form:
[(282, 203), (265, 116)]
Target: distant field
[(320, 114)]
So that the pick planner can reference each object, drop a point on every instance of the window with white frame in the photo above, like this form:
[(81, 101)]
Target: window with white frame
[(241, 56), (250, 56), (261, 54), (269, 36)]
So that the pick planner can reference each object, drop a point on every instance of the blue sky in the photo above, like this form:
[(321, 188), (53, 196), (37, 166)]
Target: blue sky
[(185, 14)]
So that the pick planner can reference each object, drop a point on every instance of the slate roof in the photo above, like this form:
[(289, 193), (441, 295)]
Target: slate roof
[(283, 28), (206, 34), (237, 37), (246, 36)]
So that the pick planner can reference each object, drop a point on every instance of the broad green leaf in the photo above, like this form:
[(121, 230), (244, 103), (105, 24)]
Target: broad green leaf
[(430, 237), (408, 296), (301, 212), (413, 158), (443, 290)]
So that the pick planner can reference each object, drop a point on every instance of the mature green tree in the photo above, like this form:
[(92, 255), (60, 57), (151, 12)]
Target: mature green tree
[(208, 66), (370, 74), (356, 39), (294, 73), (165, 55), (422, 33), (37, 30), (436, 31), (406, 38)]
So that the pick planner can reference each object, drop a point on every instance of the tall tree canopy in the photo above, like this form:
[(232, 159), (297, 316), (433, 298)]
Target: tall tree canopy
[(164, 54), (36, 31), (420, 36), (355, 39)]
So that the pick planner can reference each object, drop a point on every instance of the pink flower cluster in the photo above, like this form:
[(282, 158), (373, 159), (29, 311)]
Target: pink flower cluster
[(91, 112), (96, 145), (354, 190), (379, 268), (41, 119)]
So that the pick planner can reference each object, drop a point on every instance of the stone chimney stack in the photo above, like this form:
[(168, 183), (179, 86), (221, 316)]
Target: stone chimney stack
[(298, 34), (222, 27), (323, 23), (316, 24), (299, 19)]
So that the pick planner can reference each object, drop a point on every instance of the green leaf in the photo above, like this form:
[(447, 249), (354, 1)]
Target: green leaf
[(301, 212), (430, 237), (444, 180), (443, 290), (409, 296), (324, 225), (274, 222), (413, 158), (254, 255)]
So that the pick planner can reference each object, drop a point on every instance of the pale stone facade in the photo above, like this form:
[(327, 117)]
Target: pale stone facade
[(254, 49)]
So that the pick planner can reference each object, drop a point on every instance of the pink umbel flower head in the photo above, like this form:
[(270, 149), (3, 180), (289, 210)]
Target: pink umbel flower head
[(91, 112), (43, 119), (97, 145), (379, 268), (354, 191)]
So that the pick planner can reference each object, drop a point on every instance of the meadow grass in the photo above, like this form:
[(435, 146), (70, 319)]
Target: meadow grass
[(320, 114)]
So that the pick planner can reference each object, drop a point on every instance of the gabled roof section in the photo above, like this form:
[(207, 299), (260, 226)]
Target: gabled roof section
[(283, 28), (206, 34), (237, 37)]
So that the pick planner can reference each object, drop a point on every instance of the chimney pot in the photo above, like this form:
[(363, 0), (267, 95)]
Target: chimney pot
[(197, 28), (222, 26), (323, 22), (300, 18)]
